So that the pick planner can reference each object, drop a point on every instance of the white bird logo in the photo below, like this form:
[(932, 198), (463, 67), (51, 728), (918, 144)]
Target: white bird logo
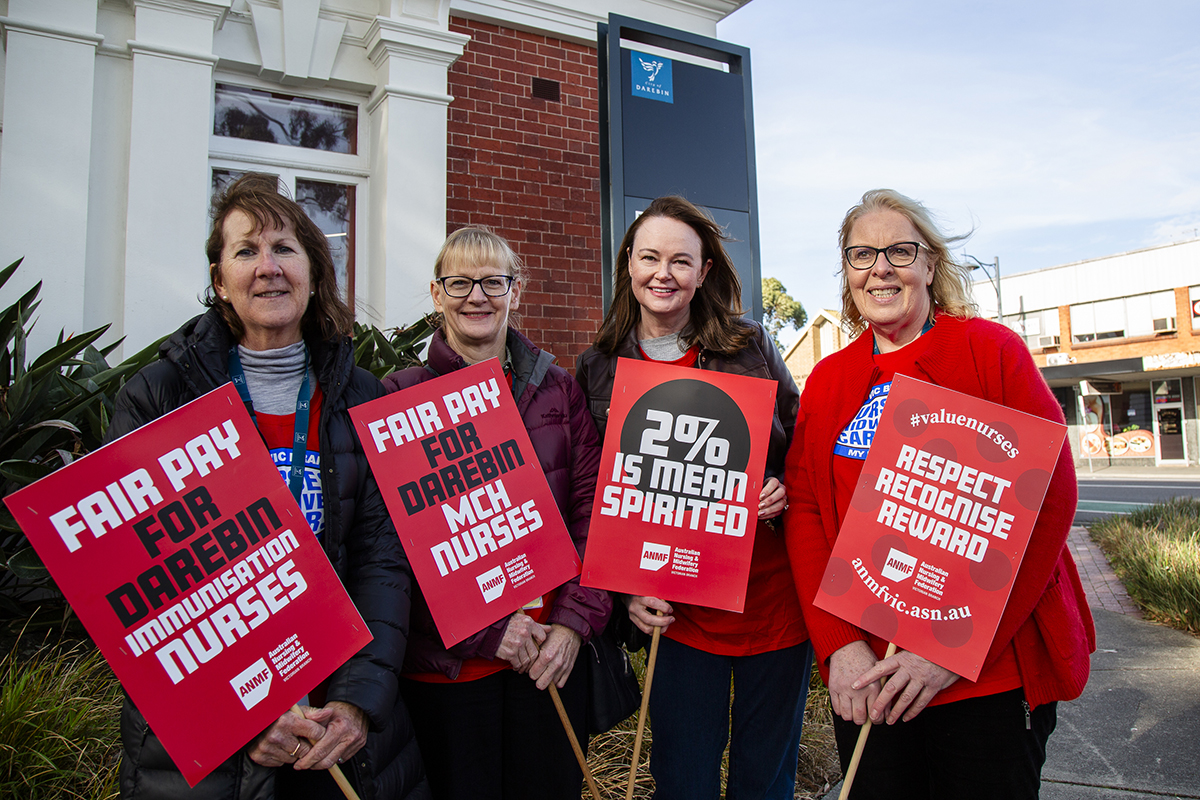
[(651, 67)]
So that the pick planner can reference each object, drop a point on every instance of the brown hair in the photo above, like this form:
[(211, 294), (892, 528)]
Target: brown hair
[(257, 195), (716, 309), (950, 292)]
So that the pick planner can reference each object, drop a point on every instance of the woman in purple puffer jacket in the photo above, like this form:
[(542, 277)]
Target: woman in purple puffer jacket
[(485, 724)]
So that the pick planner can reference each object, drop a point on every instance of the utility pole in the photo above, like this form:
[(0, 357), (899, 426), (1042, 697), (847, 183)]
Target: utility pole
[(994, 278)]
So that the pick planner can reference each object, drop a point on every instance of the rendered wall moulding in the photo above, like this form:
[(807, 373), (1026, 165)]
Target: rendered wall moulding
[(297, 45)]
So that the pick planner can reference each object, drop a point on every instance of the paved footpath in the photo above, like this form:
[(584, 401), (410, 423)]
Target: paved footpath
[(1134, 734)]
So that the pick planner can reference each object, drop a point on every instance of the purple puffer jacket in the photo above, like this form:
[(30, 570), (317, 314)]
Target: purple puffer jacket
[(564, 437)]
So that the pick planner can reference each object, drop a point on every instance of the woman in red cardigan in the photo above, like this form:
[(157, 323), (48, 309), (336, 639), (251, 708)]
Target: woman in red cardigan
[(939, 735)]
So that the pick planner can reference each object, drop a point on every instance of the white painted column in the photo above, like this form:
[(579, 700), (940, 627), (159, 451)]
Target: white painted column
[(45, 154), (169, 180), (408, 113)]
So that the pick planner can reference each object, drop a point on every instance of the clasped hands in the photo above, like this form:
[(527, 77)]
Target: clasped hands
[(854, 684), (336, 732), (546, 652)]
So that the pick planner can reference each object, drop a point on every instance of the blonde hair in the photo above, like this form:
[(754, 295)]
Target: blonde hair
[(950, 291), (478, 245)]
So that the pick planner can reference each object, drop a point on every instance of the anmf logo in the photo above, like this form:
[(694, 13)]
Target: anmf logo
[(491, 583), (655, 556), (899, 565), (253, 684)]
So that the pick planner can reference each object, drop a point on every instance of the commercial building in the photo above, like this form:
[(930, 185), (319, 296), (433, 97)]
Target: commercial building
[(1118, 340), (391, 121)]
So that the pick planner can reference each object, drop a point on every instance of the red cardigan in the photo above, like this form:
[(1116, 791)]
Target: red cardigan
[(1047, 618)]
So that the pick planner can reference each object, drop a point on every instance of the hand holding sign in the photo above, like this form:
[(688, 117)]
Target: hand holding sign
[(912, 682), (650, 614)]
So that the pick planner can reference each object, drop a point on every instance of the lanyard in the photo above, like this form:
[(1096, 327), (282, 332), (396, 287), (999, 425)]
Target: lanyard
[(295, 479)]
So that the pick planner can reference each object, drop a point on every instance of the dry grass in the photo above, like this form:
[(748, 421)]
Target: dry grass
[(817, 768)]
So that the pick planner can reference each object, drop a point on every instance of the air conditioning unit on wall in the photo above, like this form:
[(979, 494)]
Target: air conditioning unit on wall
[(1165, 325), (1047, 341)]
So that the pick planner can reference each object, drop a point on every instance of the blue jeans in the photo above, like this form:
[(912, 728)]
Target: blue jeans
[(690, 718)]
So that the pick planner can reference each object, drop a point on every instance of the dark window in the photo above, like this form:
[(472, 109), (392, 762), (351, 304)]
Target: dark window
[(259, 116)]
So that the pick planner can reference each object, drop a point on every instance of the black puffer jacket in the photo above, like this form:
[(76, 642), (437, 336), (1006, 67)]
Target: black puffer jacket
[(361, 545)]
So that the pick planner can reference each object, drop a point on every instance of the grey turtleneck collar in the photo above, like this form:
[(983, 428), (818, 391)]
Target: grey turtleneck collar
[(274, 376)]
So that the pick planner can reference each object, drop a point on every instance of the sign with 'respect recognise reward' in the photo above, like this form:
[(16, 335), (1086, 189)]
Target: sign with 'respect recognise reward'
[(468, 497), (677, 498), (194, 570), (939, 522)]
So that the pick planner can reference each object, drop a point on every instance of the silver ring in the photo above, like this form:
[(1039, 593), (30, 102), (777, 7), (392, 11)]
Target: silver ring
[(297, 750)]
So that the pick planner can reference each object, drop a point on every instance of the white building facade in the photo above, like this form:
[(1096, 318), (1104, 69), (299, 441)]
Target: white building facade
[(121, 117)]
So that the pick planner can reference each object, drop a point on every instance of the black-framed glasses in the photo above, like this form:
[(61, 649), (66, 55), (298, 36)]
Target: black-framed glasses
[(900, 254), (492, 285)]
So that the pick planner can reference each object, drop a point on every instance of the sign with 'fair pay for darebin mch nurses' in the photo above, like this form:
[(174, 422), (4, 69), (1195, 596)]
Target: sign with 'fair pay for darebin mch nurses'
[(193, 568), (677, 497), (939, 522), (464, 487)]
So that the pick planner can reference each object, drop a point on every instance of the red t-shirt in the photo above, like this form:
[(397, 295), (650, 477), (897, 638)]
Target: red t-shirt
[(849, 452), (771, 619)]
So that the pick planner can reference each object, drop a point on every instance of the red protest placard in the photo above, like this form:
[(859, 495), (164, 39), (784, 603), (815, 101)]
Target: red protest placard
[(192, 567), (468, 497), (677, 497), (939, 522)]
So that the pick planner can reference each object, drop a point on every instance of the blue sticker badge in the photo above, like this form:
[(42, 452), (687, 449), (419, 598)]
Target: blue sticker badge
[(651, 77), (855, 441), (312, 500)]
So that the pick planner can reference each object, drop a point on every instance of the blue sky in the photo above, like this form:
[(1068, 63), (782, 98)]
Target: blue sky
[(1058, 131)]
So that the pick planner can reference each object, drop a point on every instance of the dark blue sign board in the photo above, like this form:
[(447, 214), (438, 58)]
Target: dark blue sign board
[(676, 117)]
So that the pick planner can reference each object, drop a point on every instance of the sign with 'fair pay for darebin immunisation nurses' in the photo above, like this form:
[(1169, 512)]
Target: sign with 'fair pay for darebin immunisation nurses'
[(465, 489), (677, 497), (193, 568), (939, 522)]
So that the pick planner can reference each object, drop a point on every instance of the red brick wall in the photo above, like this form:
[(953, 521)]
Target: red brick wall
[(530, 170)]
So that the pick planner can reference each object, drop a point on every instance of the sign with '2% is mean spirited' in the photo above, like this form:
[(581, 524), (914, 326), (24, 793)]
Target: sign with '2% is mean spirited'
[(677, 497)]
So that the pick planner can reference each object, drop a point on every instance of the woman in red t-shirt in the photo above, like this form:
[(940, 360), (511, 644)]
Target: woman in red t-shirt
[(677, 300)]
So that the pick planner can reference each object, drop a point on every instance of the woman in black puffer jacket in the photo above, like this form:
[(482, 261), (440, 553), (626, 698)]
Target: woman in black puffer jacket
[(275, 297)]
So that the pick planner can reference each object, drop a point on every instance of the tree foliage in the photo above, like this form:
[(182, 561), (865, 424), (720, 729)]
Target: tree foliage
[(780, 309)]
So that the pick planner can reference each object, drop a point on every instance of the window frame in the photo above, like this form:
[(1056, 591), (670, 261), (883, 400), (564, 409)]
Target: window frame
[(291, 162)]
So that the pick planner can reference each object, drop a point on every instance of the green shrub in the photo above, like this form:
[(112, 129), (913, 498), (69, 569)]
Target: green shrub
[(59, 713), (53, 409), (381, 353), (1155, 552)]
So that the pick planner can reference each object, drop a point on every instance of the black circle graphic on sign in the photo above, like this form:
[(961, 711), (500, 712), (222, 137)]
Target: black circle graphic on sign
[(683, 418)]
